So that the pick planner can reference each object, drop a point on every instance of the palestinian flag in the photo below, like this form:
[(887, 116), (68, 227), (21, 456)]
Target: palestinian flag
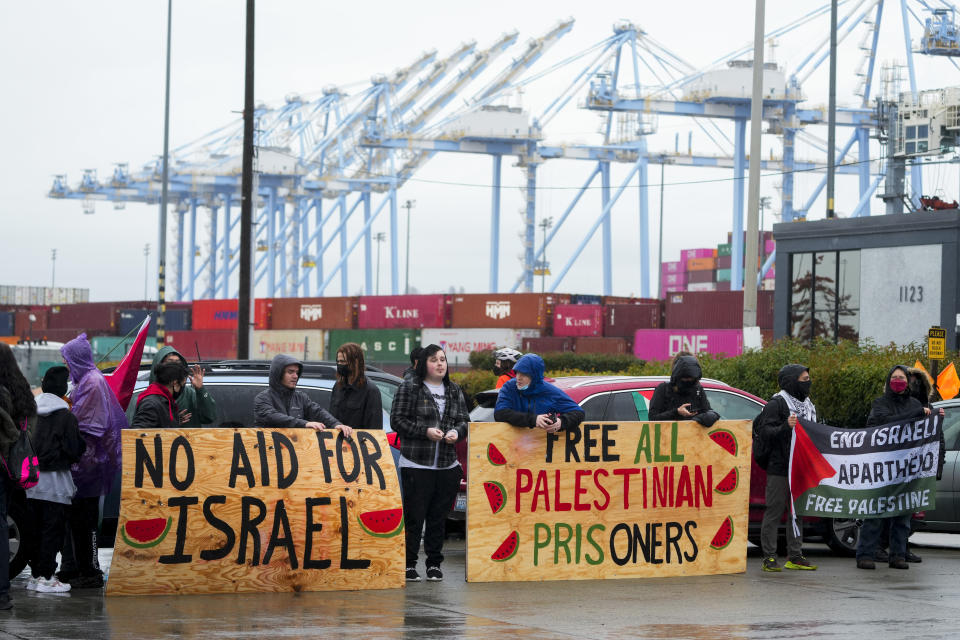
[(877, 472)]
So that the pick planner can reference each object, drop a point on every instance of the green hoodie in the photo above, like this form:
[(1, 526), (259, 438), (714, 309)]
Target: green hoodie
[(197, 402)]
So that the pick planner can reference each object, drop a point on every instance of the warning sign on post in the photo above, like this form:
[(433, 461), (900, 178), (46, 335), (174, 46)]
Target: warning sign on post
[(936, 343)]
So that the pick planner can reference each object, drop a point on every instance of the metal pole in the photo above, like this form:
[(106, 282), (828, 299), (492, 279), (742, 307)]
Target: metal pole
[(663, 164), (380, 237), (146, 269), (408, 205), (53, 276), (753, 187), (247, 195), (162, 245), (832, 116)]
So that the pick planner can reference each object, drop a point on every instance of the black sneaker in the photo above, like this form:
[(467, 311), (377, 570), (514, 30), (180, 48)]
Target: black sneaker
[(881, 555), (912, 557), (412, 575), (5, 602), (434, 574), (87, 582)]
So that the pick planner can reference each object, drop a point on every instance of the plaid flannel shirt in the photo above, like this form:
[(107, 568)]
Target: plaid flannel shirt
[(414, 411)]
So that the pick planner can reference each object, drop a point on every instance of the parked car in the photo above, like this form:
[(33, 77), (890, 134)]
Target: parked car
[(945, 518), (625, 398), (233, 384)]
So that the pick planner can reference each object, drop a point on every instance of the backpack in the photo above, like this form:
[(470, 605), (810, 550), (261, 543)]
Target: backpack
[(22, 464)]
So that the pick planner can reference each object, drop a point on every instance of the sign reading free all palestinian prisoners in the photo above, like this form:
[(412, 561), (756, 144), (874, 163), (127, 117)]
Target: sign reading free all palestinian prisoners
[(877, 472)]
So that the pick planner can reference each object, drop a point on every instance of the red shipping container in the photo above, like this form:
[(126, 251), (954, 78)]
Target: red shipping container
[(578, 320), (314, 313), (723, 286), (502, 310), (212, 345), (724, 262), (22, 324), (623, 320), (701, 276), (402, 312), (714, 310), (68, 334), (221, 315), (600, 345), (90, 315), (547, 345)]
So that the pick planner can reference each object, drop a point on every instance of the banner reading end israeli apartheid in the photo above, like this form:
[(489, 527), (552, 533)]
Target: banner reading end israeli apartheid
[(876, 472), (608, 500), (233, 510)]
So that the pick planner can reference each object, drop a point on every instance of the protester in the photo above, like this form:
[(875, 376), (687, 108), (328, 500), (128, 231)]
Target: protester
[(410, 372), (503, 361), (355, 399), (17, 407), (57, 443), (682, 398), (776, 423), (895, 405), (101, 420), (157, 406), (197, 406), (529, 401), (430, 415), (282, 405)]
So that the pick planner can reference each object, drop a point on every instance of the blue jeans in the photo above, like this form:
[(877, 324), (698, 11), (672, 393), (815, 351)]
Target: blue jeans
[(872, 530), (4, 541)]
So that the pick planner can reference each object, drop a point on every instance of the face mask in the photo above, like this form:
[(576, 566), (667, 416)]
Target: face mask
[(498, 370), (687, 384), (897, 385), (803, 389), (343, 370), (523, 388)]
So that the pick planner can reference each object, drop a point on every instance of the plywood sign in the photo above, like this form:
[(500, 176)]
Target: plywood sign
[(231, 510), (607, 500)]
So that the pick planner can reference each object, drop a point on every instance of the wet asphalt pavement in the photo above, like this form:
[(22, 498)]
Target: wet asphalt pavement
[(837, 601)]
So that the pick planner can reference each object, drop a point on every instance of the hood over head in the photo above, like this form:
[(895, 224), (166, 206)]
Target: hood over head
[(686, 367), (280, 362), (887, 391), (162, 353), (531, 365), (78, 354), (787, 378), (47, 403), (921, 384)]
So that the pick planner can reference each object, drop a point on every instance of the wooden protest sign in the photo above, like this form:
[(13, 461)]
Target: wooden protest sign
[(234, 510), (607, 500)]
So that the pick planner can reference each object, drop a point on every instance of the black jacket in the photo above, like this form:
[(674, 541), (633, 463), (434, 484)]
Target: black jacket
[(56, 436), (772, 422), (921, 389), (359, 407), (894, 407), (669, 396), (155, 410)]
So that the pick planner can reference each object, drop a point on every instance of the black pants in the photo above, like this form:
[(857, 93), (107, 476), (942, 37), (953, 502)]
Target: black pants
[(49, 526), (80, 551), (428, 496)]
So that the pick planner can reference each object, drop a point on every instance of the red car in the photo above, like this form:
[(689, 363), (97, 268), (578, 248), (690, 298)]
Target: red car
[(624, 398)]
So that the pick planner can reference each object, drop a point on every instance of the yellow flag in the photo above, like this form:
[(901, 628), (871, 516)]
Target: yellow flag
[(948, 383)]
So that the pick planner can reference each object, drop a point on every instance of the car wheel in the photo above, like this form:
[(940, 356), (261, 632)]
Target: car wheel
[(17, 528), (842, 536)]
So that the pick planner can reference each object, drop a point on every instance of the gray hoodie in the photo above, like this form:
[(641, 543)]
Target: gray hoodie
[(279, 406)]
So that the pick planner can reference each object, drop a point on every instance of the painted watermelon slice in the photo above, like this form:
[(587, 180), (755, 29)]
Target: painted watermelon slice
[(508, 548), (496, 495), (494, 456), (143, 534), (729, 483), (724, 535), (725, 439), (382, 524)]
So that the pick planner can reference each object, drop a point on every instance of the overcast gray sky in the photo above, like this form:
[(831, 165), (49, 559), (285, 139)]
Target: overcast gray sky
[(83, 88)]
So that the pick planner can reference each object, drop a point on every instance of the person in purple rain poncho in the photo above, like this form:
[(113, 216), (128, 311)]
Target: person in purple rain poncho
[(101, 419)]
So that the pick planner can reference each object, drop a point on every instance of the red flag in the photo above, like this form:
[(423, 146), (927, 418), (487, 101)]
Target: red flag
[(807, 465), (124, 377)]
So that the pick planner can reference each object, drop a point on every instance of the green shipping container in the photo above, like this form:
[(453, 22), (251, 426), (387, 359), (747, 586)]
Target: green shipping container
[(723, 275), (387, 346), (103, 345), (724, 249)]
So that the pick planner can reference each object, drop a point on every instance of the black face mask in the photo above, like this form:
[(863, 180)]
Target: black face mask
[(801, 390), (686, 384), (178, 392), (343, 370)]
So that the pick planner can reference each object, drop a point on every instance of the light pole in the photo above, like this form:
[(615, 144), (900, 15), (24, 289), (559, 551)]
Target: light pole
[(764, 203), (408, 205), (380, 237), (53, 275), (663, 164), (545, 224), (146, 269)]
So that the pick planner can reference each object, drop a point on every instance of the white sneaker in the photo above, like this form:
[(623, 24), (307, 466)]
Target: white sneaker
[(32, 583), (51, 585)]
